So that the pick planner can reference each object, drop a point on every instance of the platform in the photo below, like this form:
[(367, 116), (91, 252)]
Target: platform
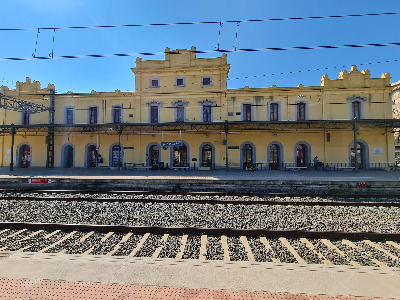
[(234, 180), (90, 275)]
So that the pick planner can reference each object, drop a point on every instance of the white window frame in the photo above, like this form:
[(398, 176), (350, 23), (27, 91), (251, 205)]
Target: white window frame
[(251, 111), (149, 105), (65, 113), (151, 83), (355, 99), (269, 110), (207, 102), (88, 114), (176, 82), (177, 103), (202, 81), (297, 110), (117, 106)]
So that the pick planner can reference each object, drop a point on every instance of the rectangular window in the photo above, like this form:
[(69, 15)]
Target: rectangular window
[(247, 112), (301, 111), (273, 112), (69, 115), (154, 114), (207, 113), (356, 110), (180, 81), (154, 82), (206, 81), (93, 115), (26, 118), (117, 114)]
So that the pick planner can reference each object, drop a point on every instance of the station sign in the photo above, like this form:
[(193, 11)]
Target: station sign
[(233, 147), (128, 148), (169, 144)]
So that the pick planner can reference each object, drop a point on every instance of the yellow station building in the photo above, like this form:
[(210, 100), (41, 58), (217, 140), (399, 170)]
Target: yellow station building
[(182, 113)]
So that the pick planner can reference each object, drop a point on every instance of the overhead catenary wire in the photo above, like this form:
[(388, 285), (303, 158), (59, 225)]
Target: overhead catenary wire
[(206, 51), (208, 22)]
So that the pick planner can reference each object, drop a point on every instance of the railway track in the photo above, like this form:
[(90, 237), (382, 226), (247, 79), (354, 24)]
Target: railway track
[(204, 198), (300, 247)]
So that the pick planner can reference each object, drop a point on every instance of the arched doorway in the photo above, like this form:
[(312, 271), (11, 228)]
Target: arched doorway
[(274, 157), (206, 156), (116, 154), (361, 160), (25, 156), (68, 156), (301, 156), (247, 155), (91, 156), (180, 156), (154, 156)]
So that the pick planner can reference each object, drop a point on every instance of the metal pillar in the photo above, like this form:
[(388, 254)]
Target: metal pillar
[(50, 133), (355, 145), (12, 147), (226, 144)]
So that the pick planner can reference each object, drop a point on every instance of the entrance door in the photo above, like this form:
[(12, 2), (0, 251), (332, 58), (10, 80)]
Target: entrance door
[(25, 157), (154, 157), (360, 157), (247, 153), (180, 156), (69, 156), (92, 157), (301, 156), (274, 157), (206, 154), (116, 153)]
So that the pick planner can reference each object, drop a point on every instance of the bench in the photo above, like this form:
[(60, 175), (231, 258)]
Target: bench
[(296, 168)]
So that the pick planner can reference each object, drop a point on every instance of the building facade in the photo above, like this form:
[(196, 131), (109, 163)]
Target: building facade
[(182, 114)]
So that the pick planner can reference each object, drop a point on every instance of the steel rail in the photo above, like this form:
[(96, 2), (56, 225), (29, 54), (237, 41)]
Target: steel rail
[(274, 194), (207, 231), (213, 201)]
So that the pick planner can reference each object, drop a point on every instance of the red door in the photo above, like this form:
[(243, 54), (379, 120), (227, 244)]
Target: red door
[(247, 112), (301, 156), (360, 157), (25, 156)]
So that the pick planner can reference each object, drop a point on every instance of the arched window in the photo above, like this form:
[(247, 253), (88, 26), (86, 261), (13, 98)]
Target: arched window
[(206, 156)]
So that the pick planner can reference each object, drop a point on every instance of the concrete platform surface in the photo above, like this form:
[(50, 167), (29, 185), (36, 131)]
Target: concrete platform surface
[(63, 276), (220, 174)]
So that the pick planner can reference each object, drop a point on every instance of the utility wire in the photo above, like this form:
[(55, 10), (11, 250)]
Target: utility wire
[(175, 52), (207, 22)]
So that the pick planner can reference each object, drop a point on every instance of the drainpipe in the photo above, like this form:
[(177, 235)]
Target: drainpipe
[(355, 145), (12, 147), (226, 144), (119, 147)]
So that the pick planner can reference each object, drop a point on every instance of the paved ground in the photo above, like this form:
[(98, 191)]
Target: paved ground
[(60, 276), (209, 175)]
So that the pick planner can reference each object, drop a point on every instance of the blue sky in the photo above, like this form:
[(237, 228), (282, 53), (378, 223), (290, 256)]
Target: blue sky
[(108, 74)]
